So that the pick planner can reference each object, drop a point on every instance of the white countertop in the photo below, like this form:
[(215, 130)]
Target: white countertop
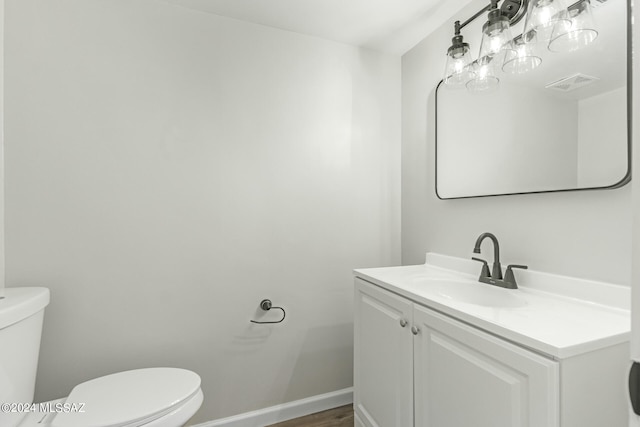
[(555, 315)]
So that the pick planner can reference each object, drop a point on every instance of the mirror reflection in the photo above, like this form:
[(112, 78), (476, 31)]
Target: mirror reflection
[(556, 119)]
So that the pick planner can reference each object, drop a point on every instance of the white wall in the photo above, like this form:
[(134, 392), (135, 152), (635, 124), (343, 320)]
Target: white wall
[(584, 234), (168, 169)]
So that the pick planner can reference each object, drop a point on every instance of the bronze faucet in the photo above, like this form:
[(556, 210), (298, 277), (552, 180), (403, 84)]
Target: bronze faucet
[(495, 277)]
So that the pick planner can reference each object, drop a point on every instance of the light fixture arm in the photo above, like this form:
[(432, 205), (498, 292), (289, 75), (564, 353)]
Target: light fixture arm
[(481, 12), (512, 9)]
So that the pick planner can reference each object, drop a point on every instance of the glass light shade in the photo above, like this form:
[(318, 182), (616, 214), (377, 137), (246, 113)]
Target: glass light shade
[(458, 71), (496, 34), (543, 16), (520, 57), (485, 78), (458, 68), (579, 34)]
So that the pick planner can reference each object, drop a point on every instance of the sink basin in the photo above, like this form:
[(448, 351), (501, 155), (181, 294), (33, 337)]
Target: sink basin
[(471, 292)]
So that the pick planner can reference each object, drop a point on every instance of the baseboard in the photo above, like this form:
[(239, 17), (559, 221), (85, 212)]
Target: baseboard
[(286, 411)]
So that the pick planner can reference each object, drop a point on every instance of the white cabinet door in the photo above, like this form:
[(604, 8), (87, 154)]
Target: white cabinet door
[(465, 377), (383, 351)]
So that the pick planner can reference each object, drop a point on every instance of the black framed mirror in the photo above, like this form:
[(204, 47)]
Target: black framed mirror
[(564, 126)]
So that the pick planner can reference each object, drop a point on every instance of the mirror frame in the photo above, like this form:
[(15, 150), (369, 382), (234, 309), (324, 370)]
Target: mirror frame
[(627, 177)]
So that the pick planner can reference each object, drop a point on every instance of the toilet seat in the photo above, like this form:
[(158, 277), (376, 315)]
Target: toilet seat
[(128, 399)]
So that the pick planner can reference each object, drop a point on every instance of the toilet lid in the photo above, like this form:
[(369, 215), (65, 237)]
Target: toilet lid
[(129, 398)]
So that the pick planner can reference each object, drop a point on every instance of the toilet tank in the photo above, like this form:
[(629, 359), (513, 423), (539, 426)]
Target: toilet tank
[(21, 314)]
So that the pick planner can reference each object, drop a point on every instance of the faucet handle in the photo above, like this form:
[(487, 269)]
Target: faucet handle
[(479, 260), (509, 277), (485, 267)]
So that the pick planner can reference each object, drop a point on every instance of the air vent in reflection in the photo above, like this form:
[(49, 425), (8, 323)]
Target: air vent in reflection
[(574, 82)]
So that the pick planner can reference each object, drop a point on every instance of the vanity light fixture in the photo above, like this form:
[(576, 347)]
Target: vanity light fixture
[(481, 74), (548, 22), (457, 70)]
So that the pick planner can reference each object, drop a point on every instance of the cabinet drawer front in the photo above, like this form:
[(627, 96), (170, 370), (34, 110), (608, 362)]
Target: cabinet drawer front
[(466, 377), (383, 352)]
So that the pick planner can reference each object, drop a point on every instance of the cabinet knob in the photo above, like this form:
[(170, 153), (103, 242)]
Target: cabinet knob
[(403, 322), (415, 330)]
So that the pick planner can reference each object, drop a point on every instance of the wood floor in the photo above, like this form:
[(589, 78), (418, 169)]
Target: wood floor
[(338, 417)]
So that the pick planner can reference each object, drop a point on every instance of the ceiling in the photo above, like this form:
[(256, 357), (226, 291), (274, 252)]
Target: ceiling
[(392, 26)]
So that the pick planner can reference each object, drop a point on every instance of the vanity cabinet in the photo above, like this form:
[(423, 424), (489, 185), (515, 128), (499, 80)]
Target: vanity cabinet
[(415, 366), (435, 348)]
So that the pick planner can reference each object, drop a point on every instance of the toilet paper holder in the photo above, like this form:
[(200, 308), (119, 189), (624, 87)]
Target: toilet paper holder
[(267, 305)]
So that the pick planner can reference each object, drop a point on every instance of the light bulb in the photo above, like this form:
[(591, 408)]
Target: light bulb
[(496, 35), (520, 58), (543, 15)]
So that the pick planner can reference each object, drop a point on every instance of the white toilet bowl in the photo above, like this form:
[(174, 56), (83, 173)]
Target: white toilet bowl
[(152, 397)]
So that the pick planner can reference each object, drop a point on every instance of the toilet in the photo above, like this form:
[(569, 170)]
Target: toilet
[(152, 397)]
